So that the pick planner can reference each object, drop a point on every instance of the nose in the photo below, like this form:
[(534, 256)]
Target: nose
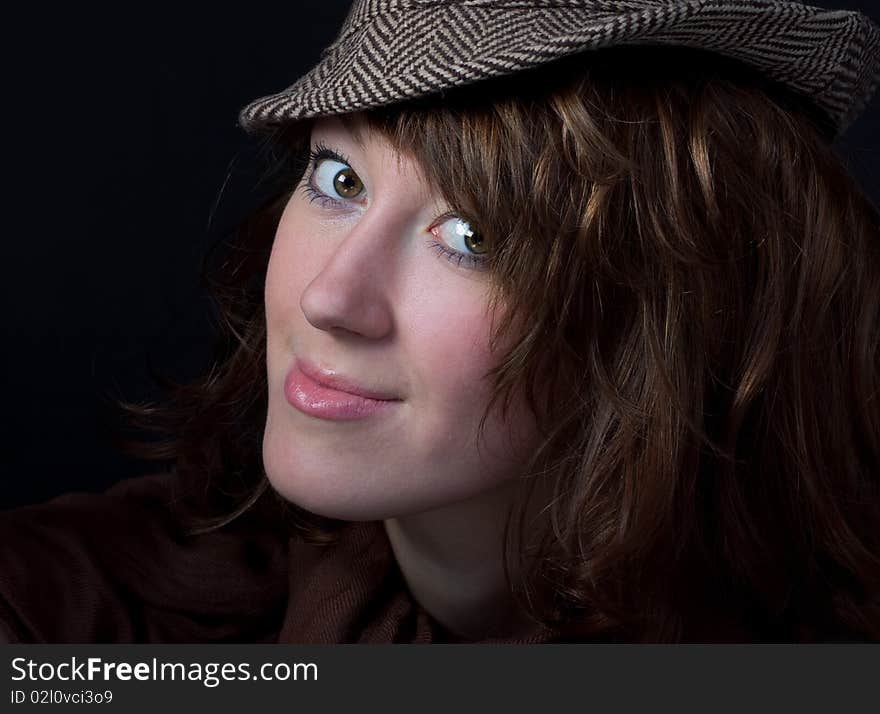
[(352, 292)]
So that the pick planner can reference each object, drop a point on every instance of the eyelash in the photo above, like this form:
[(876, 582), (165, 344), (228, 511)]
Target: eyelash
[(321, 151)]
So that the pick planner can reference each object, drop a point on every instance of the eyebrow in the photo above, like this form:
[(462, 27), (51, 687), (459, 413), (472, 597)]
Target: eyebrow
[(353, 129)]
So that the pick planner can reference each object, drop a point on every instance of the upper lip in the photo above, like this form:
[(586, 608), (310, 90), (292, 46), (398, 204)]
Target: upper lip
[(334, 380)]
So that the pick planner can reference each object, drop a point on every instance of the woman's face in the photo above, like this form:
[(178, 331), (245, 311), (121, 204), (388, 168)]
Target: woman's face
[(355, 288)]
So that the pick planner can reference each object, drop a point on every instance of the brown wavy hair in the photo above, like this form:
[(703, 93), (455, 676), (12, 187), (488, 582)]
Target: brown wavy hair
[(691, 278)]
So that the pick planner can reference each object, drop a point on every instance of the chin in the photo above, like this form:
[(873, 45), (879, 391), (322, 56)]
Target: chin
[(316, 489)]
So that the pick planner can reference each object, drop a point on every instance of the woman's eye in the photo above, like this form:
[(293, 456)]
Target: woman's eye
[(334, 178), (459, 235)]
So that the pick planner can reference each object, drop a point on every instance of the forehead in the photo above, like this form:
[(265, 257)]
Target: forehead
[(353, 125)]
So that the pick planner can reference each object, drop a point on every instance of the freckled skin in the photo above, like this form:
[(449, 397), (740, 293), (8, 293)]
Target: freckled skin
[(358, 288)]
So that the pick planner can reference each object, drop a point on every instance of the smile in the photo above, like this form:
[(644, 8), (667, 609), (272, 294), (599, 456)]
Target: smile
[(320, 400)]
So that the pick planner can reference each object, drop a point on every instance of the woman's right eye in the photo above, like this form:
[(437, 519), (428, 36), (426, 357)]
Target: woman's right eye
[(336, 179), (331, 180)]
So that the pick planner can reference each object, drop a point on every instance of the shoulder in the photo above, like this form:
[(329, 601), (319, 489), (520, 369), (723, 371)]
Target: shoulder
[(116, 567), (56, 557)]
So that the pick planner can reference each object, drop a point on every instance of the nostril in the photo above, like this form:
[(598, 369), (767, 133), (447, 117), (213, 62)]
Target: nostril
[(358, 307)]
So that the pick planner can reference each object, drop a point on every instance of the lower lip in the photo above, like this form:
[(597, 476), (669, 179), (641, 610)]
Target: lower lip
[(315, 399)]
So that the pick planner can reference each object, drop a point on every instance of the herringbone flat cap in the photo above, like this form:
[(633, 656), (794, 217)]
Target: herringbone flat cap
[(392, 50)]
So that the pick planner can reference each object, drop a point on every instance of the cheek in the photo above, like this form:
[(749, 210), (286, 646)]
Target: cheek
[(449, 345), (293, 262), (289, 271), (449, 342)]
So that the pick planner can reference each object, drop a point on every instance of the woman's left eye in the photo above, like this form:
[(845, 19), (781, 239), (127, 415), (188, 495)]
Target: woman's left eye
[(467, 245)]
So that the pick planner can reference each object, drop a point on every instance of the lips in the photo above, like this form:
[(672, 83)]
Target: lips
[(329, 396), (334, 380)]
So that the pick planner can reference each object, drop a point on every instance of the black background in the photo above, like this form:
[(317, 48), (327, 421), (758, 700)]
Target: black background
[(124, 164)]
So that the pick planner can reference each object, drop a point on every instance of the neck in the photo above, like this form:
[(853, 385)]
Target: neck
[(452, 561)]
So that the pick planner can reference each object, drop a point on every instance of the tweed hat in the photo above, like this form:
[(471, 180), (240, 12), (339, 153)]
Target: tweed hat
[(393, 50)]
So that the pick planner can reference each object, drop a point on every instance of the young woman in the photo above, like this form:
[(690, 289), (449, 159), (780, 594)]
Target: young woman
[(580, 349)]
